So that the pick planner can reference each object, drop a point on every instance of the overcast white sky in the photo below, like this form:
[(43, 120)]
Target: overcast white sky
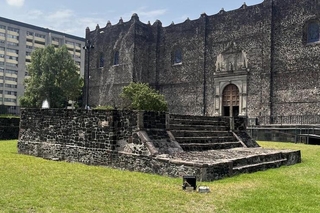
[(73, 16)]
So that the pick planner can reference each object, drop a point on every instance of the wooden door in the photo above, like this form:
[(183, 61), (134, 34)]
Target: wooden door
[(230, 101)]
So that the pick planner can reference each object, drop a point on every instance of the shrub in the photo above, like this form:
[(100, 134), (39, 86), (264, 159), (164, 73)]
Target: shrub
[(141, 97)]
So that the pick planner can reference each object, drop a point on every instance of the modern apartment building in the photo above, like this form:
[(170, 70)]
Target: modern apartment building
[(17, 41)]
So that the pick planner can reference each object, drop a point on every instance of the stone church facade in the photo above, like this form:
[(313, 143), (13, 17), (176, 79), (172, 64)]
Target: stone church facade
[(260, 60)]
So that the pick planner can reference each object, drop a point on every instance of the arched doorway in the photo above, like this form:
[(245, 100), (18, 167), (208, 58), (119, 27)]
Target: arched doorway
[(230, 101)]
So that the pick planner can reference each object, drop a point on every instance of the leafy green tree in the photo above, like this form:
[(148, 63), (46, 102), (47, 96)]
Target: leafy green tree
[(53, 76), (142, 97)]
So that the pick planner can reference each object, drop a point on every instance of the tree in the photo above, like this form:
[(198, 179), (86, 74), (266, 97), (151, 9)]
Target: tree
[(53, 77), (142, 97)]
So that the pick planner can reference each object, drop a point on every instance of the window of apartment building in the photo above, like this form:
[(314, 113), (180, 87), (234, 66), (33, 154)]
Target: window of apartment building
[(78, 45), (1, 63), (1, 70), (26, 74), (13, 29), (1, 85), (12, 36), (29, 33), (11, 79), (55, 39), (2, 27), (12, 51), (11, 65), (70, 43), (1, 92), (28, 60), (10, 100), (39, 35), (1, 41), (28, 53), (29, 47), (11, 72), (11, 57), (1, 55), (10, 85), (1, 77), (12, 43), (2, 35), (10, 92), (1, 48)]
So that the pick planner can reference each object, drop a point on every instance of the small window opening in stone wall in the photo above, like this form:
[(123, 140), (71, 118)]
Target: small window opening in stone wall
[(177, 57), (101, 60), (116, 58), (313, 32)]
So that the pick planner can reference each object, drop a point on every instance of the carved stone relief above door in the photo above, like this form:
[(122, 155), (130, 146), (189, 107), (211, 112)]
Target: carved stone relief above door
[(232, 59)]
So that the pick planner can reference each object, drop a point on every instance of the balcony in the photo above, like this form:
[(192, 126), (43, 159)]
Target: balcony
[(55, 43), (70, 46), (10, 96), (39, 45), (12, 54), (40, 39), (30, 37), (13, 33), (10, 104), (13, 40), (12, 61)]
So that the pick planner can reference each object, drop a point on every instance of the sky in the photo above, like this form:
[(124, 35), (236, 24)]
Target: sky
[(73, 16)]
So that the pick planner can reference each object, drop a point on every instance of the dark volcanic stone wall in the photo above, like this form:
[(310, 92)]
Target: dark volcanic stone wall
[(89, 129), (279, 79), (296, 63)]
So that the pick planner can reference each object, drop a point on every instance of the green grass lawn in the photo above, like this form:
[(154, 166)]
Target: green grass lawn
[(30, 184)]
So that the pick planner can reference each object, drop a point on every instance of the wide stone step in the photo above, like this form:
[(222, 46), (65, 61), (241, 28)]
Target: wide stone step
[(200, 133), (194, 117), (257, 159), (198, 127), (199, 122), (209, 146), (258, 166), (206, 139)]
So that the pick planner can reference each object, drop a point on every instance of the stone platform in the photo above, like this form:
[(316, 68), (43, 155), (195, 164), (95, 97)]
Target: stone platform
[(209, 148)]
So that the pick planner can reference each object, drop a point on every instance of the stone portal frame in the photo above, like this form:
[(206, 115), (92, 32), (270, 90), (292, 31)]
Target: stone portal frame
[(222, 83)]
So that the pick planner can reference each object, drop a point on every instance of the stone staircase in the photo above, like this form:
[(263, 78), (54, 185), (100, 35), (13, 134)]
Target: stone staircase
[(197, 133), (210, 139)]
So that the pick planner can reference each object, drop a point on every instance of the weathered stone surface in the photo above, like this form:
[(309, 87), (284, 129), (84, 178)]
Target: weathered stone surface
[(120, 139), (262, 49)]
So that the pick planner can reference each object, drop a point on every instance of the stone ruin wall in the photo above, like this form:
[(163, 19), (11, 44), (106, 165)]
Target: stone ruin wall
[(95, 137)]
